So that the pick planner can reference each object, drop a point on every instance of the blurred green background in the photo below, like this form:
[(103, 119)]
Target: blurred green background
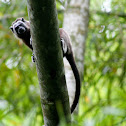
[(103, 96)]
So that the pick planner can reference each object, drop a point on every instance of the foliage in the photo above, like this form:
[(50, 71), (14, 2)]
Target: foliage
[(19, 89), (103, 89)]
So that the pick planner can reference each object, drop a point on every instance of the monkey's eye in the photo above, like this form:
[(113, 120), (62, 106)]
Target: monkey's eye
[(22, 19)]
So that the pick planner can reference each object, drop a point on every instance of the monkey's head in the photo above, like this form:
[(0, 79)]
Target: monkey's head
[(20, 27)]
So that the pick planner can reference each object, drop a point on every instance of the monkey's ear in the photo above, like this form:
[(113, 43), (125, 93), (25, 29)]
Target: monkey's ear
[(11, 28), (22, 19)]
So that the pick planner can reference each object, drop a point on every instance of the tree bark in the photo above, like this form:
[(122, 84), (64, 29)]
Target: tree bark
[(49, 60), (76, 20)]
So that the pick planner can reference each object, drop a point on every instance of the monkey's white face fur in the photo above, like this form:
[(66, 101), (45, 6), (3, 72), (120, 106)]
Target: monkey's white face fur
[(20, 27)]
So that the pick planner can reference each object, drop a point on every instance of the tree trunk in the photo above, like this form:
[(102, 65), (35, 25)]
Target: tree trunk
[(49, 61), (76, 20)]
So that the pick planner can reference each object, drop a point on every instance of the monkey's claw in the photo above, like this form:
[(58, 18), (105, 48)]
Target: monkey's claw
[(33, 58)]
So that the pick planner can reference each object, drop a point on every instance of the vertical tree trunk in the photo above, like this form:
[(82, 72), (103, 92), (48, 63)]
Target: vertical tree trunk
[(49, 60), (76, 19)]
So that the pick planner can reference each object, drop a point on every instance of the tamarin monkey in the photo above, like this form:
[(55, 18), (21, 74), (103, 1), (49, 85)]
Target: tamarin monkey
[(21, 28)]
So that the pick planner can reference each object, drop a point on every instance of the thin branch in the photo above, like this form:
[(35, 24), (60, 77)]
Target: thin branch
[(123, 15)]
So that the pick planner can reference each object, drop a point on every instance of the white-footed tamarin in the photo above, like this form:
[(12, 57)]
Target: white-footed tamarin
[(21, 28)]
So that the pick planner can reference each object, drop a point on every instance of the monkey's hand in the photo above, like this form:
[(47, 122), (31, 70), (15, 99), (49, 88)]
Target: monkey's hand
[(30, 41), (33, 56)]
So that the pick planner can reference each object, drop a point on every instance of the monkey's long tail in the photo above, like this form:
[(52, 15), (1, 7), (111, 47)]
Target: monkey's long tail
[(71, 61)]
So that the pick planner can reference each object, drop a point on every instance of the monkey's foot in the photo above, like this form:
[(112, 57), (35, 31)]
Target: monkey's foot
[(64, 46)]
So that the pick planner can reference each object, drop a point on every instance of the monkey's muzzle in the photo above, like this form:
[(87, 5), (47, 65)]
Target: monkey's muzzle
[(20, 30)]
